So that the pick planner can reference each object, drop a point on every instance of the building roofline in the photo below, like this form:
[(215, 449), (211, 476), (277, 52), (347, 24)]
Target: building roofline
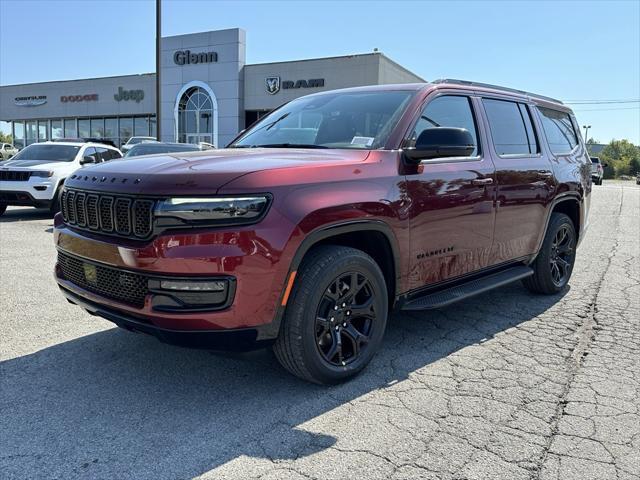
[(77, 79)]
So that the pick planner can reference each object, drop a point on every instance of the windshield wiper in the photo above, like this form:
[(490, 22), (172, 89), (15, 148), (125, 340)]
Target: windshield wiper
[(288, 145)]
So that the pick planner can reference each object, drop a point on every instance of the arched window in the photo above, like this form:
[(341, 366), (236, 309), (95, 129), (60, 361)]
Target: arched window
[(196, 116)]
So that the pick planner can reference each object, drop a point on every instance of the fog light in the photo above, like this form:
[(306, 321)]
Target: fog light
[(193, 286)]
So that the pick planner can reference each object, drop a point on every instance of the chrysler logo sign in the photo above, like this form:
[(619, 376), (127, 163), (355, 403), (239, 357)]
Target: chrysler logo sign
[(274, 84), (32, 101), (185, 57)]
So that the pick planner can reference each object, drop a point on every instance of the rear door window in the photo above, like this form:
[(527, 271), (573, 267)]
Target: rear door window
[(559, 130), (511, 127)]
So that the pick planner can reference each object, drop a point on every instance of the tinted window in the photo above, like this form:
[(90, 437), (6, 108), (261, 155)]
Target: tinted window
[(151, 148), (91, 152), (559, 130), (103, 154), (511, 128), (47, 152), (447, 111), (115, 154), (361, 120)]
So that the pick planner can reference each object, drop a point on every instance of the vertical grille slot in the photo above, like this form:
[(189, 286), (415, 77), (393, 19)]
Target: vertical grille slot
[(81, 213), (142, 217), (106, 213), (71, 206), (92, 212), (63, 205), (122, 213)]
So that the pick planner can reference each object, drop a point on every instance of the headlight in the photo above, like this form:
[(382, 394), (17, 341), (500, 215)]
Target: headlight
[(42, 173), (211, 211)]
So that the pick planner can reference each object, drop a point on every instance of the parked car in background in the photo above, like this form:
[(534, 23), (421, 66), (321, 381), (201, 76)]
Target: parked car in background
[(151, 148), (206, 146), (105, 141), (304, 236), (597, 170), (35, 175), (135, 141), (7, 151)]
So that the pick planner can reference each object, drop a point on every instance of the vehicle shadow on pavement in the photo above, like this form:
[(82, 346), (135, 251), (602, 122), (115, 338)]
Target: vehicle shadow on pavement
[(115, 404)]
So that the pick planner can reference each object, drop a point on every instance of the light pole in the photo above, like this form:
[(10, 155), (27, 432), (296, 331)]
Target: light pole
[(158, 37), (586, 130)]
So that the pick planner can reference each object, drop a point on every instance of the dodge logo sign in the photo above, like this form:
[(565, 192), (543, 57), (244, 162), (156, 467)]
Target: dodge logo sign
[(273, 85)]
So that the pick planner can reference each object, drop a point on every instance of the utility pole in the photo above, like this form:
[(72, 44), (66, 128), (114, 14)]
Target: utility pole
[(158, 38), (586, 131)]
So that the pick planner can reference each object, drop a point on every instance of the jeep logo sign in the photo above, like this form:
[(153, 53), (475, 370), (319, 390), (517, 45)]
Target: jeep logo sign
[(185, 57), (123, 94), (274, 84)]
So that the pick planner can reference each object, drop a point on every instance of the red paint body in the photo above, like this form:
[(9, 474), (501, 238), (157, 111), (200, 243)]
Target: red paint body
[(432, 207)]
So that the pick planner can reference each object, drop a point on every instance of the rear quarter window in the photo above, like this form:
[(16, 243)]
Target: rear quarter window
[(558, 128)]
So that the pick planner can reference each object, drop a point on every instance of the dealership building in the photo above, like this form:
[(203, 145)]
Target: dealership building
[(207, 93)]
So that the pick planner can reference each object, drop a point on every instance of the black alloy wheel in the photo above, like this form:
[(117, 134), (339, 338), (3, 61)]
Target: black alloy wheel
[(335, 317), (562, 255), (345, 318), (553, 265)]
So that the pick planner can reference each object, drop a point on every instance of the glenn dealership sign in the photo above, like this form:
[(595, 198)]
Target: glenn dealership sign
[(185, 57)]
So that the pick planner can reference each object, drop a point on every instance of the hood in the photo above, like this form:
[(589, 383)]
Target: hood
[(32, 164), (202, 172)]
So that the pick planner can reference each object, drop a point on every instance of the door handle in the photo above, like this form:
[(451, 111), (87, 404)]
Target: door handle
[(482, 181)]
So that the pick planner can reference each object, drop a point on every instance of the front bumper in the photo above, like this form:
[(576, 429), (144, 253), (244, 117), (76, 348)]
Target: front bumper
[(254, 256), (37, 191), (243, 339)]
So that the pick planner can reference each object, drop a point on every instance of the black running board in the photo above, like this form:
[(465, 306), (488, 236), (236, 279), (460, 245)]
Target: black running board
[(447, 296)]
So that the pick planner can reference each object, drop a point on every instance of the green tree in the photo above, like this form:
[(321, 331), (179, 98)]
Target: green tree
[(6, 138), (622, 157)]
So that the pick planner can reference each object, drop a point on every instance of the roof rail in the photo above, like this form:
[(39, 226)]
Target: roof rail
[(495, 87)]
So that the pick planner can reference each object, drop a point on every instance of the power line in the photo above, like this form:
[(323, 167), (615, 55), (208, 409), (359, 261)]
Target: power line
[(606, 109), (599, 102)]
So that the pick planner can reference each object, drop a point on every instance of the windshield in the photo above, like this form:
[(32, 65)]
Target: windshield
[(137, 140), (361, 120), (46, 152), (150, 148)]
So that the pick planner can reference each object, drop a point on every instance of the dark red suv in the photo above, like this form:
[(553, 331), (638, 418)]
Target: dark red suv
[(332, 210)]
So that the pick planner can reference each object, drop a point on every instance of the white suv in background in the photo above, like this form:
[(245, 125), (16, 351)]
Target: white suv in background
[(34, 176), (7, 151)]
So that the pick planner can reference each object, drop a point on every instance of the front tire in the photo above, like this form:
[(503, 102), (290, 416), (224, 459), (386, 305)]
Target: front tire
[(554, 264), (335, 317)]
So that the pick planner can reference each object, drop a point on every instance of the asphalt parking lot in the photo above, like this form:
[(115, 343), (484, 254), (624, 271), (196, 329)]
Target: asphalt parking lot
[(503, 386)]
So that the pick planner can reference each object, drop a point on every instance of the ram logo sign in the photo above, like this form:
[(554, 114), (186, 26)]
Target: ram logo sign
[(274, 84)]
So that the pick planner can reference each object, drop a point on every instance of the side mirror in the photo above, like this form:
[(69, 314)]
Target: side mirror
[(87, 159), (441, 142)]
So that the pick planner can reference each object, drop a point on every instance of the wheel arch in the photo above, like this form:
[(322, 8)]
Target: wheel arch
[(374, 237), (569, 204)]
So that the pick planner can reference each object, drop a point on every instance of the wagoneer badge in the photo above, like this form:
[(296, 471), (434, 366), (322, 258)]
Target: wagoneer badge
[(90, 273)]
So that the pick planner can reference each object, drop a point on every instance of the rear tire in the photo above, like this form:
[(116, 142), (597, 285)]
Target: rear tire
[(554, 264), (336, 316)]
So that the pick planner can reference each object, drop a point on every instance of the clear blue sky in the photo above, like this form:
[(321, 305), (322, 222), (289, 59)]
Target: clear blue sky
[(569, 50)]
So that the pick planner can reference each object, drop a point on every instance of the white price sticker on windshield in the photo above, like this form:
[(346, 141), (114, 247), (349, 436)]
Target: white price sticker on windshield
[(364, 141)]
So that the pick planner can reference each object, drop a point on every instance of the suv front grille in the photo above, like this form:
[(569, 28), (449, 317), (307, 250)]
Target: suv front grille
[(109, 214), (122, 286), (14, 175)]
